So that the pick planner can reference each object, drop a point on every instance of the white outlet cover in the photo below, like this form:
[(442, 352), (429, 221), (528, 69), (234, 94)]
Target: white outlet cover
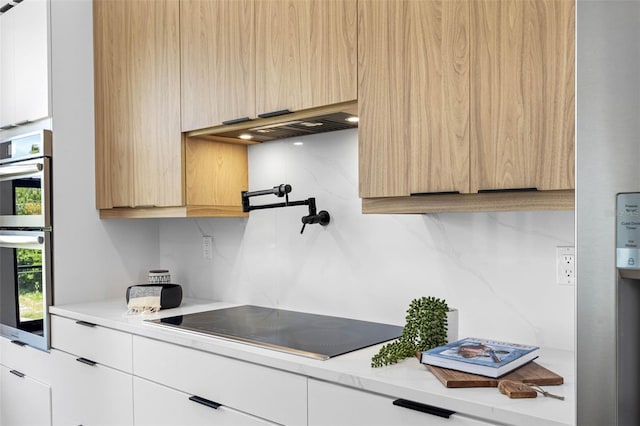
[(565, 265)]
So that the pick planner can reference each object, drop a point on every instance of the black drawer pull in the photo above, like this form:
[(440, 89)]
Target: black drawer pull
[(424, 408), (237, 120), (16, 373), (18, 342), (86, 361), (489, 191), (274, 113), (204, 401), (85, 323)]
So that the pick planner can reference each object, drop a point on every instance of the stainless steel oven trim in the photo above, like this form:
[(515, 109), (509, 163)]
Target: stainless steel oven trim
[(13, 333), (34, 167)]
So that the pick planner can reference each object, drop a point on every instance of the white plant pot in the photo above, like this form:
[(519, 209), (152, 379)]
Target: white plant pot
[(452, 325)]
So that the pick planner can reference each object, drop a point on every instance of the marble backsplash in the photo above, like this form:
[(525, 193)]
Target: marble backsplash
[(498, 269)]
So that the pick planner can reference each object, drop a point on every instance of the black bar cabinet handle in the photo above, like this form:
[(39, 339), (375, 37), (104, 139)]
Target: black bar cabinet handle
[(18, 342), (236, 120), (274, 113), (424, 408), (16, 373), (204, 401), (85, 323), (86, 361)]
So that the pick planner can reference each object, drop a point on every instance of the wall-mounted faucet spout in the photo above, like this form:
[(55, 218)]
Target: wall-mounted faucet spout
[(283, 190)]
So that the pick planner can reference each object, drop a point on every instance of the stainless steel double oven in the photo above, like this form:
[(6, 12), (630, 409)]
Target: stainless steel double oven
[(26, 230)]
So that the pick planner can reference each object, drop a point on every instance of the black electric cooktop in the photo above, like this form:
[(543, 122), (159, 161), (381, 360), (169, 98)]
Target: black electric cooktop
[(314, 336)]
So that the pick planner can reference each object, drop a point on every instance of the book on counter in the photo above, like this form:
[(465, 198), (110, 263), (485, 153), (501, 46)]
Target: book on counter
[(480, 356)]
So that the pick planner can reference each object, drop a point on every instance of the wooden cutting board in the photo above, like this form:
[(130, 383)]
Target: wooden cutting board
[(528, 373)]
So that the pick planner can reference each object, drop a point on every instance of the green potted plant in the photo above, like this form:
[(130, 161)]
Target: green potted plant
[(426, 328)]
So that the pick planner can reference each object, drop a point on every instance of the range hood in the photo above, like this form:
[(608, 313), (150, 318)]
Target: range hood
[(284, 124)]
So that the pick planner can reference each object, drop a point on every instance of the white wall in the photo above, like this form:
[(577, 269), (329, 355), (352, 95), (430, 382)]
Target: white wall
[(497, 268), (93, 259)]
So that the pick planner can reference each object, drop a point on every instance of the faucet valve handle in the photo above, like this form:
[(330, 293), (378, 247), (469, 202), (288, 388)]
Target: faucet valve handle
[(323, 218)]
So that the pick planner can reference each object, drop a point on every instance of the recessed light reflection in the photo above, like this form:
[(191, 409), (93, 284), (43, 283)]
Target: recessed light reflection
[(353, 119), (298, 143), (245, 136)]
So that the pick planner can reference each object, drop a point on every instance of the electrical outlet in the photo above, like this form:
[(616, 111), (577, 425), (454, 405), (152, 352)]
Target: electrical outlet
[(566, 265), (207, 247)]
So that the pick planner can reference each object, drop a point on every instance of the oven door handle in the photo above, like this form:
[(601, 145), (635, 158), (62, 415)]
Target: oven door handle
[(20, 169), (19, 241)]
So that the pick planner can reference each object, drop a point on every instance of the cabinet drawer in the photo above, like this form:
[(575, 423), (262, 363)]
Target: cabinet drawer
[(23, 401), (99, 344), (157, 405), (89, 394), (261, 391), (335, 405), (27, 360)]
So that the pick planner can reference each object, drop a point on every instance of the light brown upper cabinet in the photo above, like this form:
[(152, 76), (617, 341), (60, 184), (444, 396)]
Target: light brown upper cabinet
[(461, 100), (305, 53), (413, 97), (145, 167), (522, 99), (218, 61), (244, 58), (137, 102)]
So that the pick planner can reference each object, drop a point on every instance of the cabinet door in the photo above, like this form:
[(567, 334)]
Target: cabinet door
[(305, 53), (24, 63), (335, 405), (31, 60), (137, 100), (413, 97), (522, 92), (23, 400), (89, 394), (157, 405), (7, 69), (217, 61)]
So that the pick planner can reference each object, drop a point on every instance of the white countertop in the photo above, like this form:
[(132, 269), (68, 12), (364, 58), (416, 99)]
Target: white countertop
[(408, 379)]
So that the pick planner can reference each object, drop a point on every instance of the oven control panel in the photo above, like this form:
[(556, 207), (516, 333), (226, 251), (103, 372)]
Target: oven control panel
[(32, 145)]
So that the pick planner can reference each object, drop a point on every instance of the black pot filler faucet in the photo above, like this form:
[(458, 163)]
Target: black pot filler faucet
[(283, 190)]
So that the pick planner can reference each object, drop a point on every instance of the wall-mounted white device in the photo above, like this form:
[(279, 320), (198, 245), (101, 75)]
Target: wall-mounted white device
[(628, 234)]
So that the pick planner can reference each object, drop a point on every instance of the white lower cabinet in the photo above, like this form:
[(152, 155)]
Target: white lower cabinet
[(25, 391), (90, 394), (91, 374), (157, 405), (335, 405), (24, 401), (100, 344), (263, 392)]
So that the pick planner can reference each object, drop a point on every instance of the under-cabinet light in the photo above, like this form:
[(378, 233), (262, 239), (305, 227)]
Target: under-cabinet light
[(272, 126), (245, 136)]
